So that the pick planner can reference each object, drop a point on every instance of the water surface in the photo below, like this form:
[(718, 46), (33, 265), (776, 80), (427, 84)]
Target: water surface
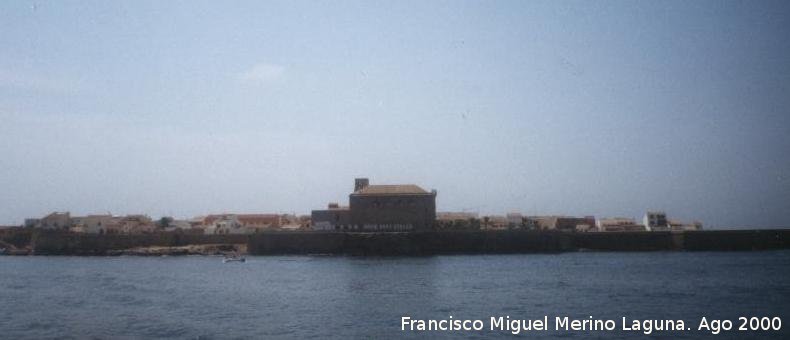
[(363, 297)]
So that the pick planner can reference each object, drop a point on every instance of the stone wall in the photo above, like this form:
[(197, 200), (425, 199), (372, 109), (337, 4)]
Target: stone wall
[(44, 242), (513, 241), (735, 240), (626, 241), (409, 243), (418, 211)]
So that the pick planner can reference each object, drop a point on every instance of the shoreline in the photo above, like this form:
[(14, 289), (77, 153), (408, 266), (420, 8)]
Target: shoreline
[(39, 242), (201, 249)]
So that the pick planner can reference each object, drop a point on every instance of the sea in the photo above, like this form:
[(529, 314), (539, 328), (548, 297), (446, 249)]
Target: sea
[(346, 297)]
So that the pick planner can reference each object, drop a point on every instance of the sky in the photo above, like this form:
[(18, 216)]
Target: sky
[(605, 108)]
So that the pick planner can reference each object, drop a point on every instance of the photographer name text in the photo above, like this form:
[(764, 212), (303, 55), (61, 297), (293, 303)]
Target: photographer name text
[(564, 323)]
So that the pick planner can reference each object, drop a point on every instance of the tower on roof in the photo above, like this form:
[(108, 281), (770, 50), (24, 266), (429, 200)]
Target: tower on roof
[(360, 183)]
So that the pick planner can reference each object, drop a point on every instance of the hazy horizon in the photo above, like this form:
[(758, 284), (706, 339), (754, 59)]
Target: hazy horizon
[(542, 107)]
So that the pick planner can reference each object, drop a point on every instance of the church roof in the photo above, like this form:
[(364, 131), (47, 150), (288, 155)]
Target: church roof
[(400, 189)]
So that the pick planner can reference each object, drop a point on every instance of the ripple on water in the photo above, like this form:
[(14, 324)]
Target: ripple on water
[(340, 297)]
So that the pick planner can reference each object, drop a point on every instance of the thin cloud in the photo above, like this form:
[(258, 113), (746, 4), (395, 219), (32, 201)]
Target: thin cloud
[(262, 73), (39, 83)]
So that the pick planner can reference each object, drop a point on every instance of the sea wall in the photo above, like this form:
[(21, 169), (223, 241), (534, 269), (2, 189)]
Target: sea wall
[(628, 241), (505, 242), (736, 240), (415, 243)]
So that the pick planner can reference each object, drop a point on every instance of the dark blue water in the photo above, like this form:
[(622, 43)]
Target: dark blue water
[(354, 297)]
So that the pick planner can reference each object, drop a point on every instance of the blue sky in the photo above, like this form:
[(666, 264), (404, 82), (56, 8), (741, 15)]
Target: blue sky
[(607, 108)]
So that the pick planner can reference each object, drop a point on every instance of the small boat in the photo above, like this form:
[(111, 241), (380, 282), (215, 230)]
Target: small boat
[(233, 258)]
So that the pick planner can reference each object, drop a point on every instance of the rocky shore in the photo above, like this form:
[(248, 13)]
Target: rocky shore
[(195, 249)]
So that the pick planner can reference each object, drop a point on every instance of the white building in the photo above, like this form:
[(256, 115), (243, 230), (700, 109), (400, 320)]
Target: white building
[(55, 220), (618, 224), (176, 225), (227, 224), (656, 221), (514, 219), (91, 224)]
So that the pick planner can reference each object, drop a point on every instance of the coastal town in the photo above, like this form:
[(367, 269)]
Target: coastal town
[(371, 208)]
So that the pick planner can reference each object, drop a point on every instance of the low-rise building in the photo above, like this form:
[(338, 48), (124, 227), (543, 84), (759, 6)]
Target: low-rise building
[(178, 225), (494, 222), (453, 216), (242, 223), (55, 220), (305, 221), (682, 226), (656, 221), (450, 220), (602, 223), (197, 222), (514, 219), (91, 224), (563, 223), (614, 224), (519, 221), (254, 221), (290, 222), (334, 217), (131, 224), (227, 224)]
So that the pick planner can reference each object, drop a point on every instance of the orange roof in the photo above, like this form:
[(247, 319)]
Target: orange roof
[(401, 189), (259, 218)]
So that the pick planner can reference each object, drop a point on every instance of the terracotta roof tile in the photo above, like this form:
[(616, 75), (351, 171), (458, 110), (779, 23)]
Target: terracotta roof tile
[(402, 189)]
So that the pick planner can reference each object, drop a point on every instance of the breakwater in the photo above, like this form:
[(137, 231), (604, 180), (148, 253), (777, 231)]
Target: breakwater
[(411, 243)]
